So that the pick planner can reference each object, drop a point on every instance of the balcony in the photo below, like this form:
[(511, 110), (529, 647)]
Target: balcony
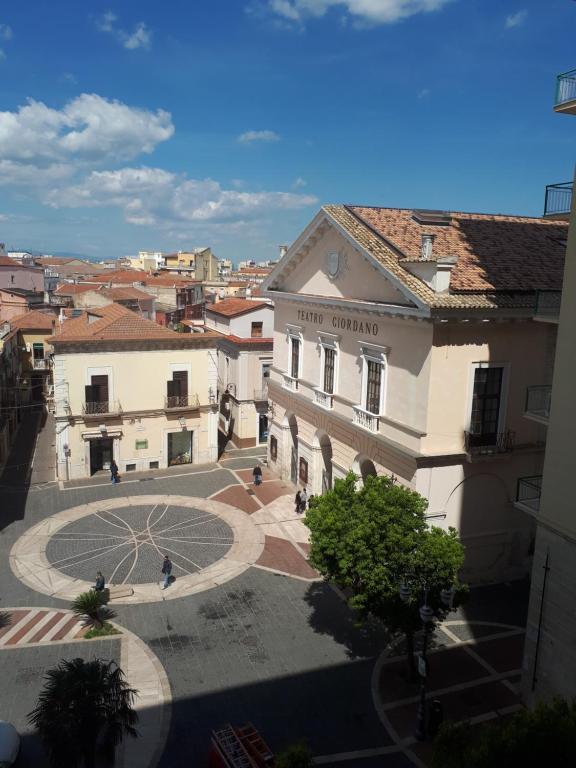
[(538, 403), (98, 409), (365, 419), (181, 403), (41, 364), (261, 395), (528, 493), (290, 383), (547, 306), (558, 201), (566, 93), (488, 444), (323, 399)]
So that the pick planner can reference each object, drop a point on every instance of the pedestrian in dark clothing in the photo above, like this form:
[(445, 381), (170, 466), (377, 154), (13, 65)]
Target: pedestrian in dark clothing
[(100, 582), (303, 500), (114, 472), (167, 571), (298, 502), (257, 473)]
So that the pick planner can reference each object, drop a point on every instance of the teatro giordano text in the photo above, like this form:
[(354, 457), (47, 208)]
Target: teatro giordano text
[(339, 323)]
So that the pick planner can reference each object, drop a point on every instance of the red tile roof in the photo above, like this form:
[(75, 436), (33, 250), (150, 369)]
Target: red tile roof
[(121, 276), (235, 307), (112, 323), (6, 261), (122, 293), (494, 252), (71, 289), (33, 320)]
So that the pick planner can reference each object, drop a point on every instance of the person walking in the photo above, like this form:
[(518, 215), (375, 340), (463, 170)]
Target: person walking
[(257, 474), (303, 500), (100, 582), (114, 472), (167, 571), (298, 502)]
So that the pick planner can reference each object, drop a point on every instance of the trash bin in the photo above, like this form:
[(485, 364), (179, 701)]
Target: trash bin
[(435, 717)]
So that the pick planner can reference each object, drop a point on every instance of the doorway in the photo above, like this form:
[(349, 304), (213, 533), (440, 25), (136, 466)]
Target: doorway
[(101, 454), (179, 448), (262, 428)]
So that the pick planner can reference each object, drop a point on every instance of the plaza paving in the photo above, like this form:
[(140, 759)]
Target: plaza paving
[(268, 643)]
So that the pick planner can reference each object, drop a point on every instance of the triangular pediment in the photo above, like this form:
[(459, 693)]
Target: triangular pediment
[(325, 262)]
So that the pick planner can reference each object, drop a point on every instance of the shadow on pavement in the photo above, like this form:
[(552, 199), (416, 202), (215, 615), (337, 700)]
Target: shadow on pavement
[(15, 477)]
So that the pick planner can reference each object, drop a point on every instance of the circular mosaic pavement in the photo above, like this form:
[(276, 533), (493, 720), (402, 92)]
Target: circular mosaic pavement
[(126, 538), (128, 544)]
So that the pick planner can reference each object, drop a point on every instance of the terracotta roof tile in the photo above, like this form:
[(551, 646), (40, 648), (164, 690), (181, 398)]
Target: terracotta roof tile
[(122, 276), (33, 320), (501, 260), (71, 289), (121, 293), (234, 307), (114, 323)]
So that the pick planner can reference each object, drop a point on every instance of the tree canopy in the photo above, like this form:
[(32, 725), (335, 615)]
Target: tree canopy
[(371, 539)]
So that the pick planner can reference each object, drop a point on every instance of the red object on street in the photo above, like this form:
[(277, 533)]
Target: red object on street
[(239, 748)]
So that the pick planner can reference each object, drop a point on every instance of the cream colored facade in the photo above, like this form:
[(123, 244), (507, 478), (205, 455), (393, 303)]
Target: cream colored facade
[(362, 318), (244, 364), (140, 429), (549, 660)]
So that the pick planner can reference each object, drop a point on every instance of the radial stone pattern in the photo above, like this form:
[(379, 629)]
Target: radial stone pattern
[(128, 544)]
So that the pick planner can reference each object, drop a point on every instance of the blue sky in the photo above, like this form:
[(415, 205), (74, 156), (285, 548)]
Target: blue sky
[(128, 126)]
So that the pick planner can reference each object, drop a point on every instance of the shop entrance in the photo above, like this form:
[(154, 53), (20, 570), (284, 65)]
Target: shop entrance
[(262, 428), (179, 448), (101, 454)]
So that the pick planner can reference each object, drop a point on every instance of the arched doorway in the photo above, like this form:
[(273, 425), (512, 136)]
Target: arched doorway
[(291, 425), (363, 467), (322, 441)]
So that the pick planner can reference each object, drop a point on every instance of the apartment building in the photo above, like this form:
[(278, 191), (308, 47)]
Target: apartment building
[(404, 341), (549, 661), (245, 331), (129, 389)]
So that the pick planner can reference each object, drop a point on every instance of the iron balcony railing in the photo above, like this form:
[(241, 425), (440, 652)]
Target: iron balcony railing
[(101, 408), (528, 491), (547, 303), (40, 364), (558, 199), (488, 443), (565, 87), (173, 402), (538, 401)]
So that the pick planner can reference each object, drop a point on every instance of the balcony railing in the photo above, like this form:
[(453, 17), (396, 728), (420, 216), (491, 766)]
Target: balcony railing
[(182, 402), (40, 364), (488, 444), (365, 419), (565, 91), (261, 395), (538, 402), (547, 304), (558, 199), (323, 399), (528, 492), (290, 382), (101, 408)]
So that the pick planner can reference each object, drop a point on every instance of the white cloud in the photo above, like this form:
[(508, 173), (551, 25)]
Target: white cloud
[(6, 32), (515, 19), (141, 37), (250, 136), (362, 12), (155, 197), (88, 129), (423, 93), (299, 183)]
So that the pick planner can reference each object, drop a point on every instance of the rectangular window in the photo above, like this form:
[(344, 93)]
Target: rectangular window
[(329, 360), (486, 399), (130, 467), (295, 358), (273, 448), (141, 444), (373, 386), (153, 465), (303, 471), (256, 332), (38, 351)]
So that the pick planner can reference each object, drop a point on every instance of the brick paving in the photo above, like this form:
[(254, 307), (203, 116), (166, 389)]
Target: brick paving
[(39, 626), (281, 652)]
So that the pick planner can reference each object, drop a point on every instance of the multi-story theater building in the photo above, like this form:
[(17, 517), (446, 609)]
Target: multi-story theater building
[(414, 344)]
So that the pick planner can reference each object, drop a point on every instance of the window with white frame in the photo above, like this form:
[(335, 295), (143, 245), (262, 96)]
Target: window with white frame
[(328, 363), (294, 352), (373, 379)]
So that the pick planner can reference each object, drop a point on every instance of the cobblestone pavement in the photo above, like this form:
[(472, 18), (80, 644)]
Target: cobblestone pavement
[(274, 646)]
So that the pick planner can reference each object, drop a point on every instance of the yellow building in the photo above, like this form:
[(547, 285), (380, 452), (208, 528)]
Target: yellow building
[(404, 341), (129, 389), (180, 259), (549, 658)]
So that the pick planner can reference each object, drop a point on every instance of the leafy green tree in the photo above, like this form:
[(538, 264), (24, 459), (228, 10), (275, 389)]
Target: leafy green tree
[(90, 605), (545, 735), (295, 756), (370, 540), (83, 711)]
